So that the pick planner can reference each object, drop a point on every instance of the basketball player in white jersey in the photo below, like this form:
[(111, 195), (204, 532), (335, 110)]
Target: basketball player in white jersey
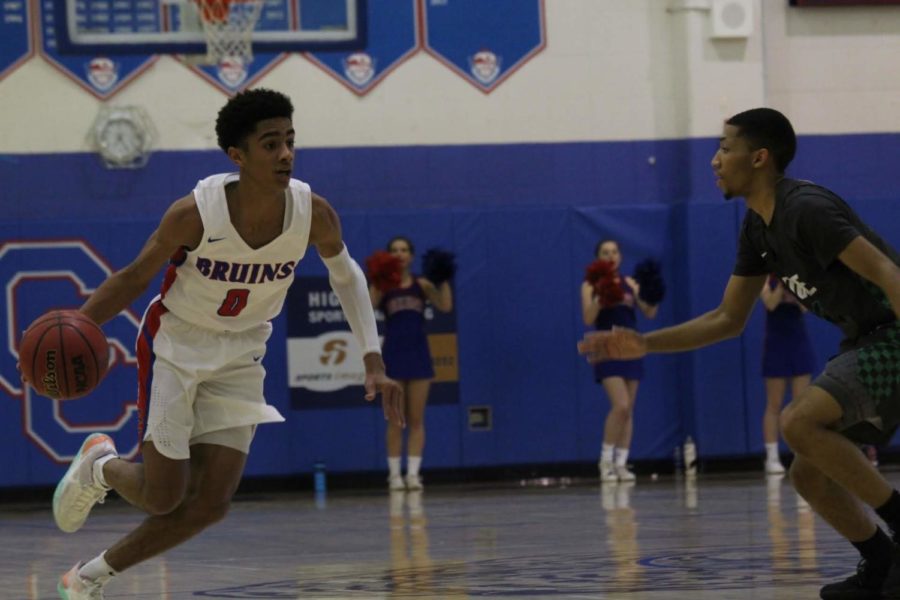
[(232, 246)]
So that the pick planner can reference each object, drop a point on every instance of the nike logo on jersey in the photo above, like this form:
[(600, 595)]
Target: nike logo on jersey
[(764, 254), (256, 358), (213, 240)]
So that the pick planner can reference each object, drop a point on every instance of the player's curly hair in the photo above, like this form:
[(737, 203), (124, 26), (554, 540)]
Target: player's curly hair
[(238, 118), (767, 128)]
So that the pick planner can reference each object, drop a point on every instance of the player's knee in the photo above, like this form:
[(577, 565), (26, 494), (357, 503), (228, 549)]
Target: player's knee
[(162, 502), (204, 514), (794, 429)]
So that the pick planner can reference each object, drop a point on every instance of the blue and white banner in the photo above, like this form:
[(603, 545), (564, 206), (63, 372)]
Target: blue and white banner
[(393, 37), (16, 42), (325, 367), (484, 42), (233, 74), (100, 75)]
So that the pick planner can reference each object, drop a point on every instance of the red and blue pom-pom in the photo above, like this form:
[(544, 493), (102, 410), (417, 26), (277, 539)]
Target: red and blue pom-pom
[(604, 278), (649, 276), (384, 270), (438, 265)]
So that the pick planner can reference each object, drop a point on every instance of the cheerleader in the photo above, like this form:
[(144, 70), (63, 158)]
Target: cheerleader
[(788, 359), (402, 297), (607, 300)]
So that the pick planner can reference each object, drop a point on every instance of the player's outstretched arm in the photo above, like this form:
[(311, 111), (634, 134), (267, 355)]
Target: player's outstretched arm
[(870, 262), (180, 227), (349, 283), (725, 321)]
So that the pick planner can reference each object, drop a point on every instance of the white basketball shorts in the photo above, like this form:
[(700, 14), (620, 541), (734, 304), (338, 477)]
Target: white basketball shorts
[(196, 385)]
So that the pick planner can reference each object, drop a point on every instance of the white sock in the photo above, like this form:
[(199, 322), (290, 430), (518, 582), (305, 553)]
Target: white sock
[(621, 457), (97, 468), (772, 452), (394, 465), (97, 570), (412, 464), (606, 454)]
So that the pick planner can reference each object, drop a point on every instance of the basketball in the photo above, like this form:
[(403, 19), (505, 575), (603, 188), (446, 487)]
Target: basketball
[(63, 354)]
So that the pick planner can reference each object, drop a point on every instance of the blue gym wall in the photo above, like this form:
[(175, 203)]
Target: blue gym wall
[(522, 219)]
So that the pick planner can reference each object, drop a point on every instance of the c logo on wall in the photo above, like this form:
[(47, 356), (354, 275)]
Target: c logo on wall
[(39, 276), (325, 366)]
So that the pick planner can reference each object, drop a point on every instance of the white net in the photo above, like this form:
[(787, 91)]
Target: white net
[(228, 26)]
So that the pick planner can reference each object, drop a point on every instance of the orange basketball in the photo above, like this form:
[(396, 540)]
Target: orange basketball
[(63, 354)]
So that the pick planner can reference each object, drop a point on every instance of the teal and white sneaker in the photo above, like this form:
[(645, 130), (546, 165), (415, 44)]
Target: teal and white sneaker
[(73, 586), (78, 491)]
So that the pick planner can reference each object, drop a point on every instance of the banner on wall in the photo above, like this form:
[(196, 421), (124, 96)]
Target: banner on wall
[(484, 42), (232, 74), (16, 44), (393, 38), (325, 368), (102, 76)]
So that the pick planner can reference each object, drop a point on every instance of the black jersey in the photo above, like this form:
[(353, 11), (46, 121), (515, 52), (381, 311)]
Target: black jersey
[(810, 227)]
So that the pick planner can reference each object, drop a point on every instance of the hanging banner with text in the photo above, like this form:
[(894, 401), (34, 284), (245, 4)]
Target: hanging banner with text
[(325, 367)]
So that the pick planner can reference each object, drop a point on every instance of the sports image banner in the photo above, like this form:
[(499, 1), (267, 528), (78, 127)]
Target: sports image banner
[(325, 367)]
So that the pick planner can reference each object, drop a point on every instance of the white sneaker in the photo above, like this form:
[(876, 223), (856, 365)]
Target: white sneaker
[(607, 472), (73, 586), (395, 483), (77, 492), (624, 474), (774, 467), (414, 482)]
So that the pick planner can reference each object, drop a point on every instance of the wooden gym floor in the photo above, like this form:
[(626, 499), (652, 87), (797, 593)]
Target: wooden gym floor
[(723, 537)]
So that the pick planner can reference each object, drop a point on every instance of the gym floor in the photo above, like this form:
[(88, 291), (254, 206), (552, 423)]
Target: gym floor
[(723, 536)]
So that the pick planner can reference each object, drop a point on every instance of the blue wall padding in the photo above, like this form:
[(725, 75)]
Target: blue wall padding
[(523, 221)]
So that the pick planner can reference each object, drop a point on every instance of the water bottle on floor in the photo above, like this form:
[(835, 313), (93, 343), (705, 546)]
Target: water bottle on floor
[(690, 457), (319, 483)]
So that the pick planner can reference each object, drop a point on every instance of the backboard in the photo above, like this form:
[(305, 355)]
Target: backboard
[(173, 27)]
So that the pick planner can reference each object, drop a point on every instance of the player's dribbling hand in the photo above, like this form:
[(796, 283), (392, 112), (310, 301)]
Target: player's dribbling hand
[(391, 396), (618, 343), (21, 374), (391, 391)]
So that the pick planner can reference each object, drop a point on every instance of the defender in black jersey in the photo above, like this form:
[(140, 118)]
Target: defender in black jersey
[(841, 271)]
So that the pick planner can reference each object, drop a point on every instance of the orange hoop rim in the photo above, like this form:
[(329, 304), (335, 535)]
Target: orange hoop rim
[(216, 11)]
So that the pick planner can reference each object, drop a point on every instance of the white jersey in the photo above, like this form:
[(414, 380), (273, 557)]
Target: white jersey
[(224, 284)]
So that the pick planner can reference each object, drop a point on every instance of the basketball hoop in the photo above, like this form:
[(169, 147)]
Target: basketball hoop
[(228, 27)]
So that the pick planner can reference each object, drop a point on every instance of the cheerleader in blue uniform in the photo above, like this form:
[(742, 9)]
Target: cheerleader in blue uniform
[(620, 379), (407, 357), (787, 359)]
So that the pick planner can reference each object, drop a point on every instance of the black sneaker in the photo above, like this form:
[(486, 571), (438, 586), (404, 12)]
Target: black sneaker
[(864, 585), (890, 588)]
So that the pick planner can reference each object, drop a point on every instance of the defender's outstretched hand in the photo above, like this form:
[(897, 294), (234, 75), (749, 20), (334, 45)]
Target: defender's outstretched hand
[(619, 343), (391, 396)]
